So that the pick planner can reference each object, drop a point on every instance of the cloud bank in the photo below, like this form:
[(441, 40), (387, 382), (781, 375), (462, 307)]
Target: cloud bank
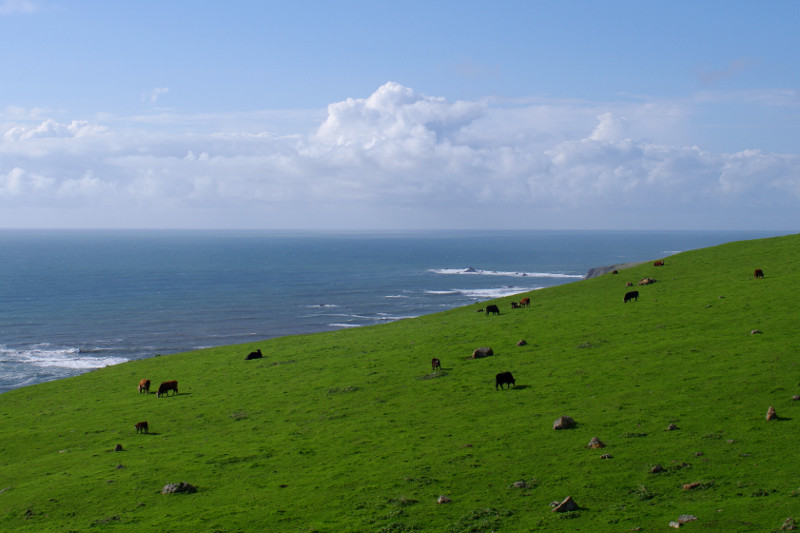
[(395, 159)]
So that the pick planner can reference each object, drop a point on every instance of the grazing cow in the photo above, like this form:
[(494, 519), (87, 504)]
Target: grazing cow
[(631, 295), (659, 263), (758, 274), (144, 386), (141, 427), (167, 386), (615, 271), (492, 309), (504, 378), (254, 355), (515, 305), (436, 364), (525, 302)]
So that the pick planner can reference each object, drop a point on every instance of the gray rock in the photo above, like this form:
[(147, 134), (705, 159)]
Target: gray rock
[(595, 443), (483, 351), (172, 488), (567, 505), (564, 422)]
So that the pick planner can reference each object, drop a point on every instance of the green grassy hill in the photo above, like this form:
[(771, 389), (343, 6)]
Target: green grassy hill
[(351, 431)]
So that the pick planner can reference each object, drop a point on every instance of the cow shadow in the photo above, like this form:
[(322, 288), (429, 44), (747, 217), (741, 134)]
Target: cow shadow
[(520, 387)]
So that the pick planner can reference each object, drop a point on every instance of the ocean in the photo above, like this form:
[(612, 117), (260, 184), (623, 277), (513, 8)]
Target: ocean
[(75, 300)]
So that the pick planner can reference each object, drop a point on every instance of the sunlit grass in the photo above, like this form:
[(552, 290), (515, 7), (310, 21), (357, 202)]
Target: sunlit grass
[(352, 431)]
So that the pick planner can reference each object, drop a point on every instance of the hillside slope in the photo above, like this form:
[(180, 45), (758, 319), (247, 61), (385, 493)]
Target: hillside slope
[(352, 431)]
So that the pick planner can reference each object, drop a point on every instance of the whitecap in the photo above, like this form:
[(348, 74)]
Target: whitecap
[(477, 272), (47, 356), (443, 293), (489, 294)]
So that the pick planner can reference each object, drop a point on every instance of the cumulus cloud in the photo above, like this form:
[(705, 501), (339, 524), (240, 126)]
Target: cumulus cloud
[(399, 158), (51, 128), (8, 7), (153, 96)]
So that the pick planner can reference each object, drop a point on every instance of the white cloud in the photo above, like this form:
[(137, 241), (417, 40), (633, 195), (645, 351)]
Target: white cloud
[(398, 158), (153, 96), (51, 128), (8, 7)]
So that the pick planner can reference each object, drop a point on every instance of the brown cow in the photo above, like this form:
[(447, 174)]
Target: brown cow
[(141, 427), (167, 386), (758, 274), (659, 263), (436, 364), (525, 302), (144, 386)]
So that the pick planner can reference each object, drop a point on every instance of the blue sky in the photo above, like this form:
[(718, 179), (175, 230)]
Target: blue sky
[(372, 115)]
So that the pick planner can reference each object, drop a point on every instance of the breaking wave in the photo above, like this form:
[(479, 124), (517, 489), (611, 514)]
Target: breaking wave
[(478, 272), (47, 356)]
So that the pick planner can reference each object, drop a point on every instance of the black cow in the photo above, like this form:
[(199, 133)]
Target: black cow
[(167, 386), (254, 355), (758, 274), (514, 305), (492, 309), (631, 295), (141, 427), (504, 378), (436, 364)]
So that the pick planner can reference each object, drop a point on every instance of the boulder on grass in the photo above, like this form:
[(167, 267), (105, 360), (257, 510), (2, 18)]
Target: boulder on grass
[(172, 488), (564, 422), (567, 505), (483, 351), (595, 443)]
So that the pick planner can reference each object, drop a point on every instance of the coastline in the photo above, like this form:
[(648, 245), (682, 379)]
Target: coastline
[(599, 271)]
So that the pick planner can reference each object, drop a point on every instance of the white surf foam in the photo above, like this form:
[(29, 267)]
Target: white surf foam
[(486, 293), (478, 272), (47, 356)]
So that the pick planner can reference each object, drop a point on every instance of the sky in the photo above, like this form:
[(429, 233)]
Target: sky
[(400, 115)]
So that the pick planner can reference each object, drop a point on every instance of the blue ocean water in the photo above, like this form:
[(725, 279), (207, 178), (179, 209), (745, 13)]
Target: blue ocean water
[(75, 300)]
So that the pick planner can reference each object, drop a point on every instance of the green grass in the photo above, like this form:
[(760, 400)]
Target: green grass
[(349, 431)]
